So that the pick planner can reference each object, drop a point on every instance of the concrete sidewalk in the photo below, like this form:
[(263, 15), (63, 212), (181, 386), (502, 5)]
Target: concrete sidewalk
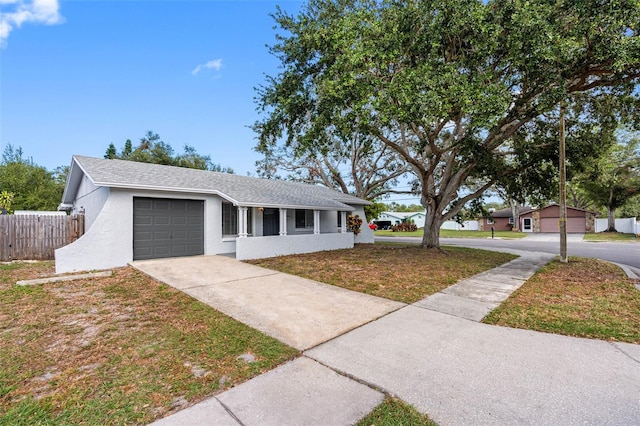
[(434, 355), (473, 298), (462, 372)]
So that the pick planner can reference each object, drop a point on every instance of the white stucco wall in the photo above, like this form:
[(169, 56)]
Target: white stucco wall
[(366, 234), (105, 244), (108, 243), (90, 200), (271, 246)]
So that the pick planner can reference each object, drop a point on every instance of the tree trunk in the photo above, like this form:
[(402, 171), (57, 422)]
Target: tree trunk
[(432, 223), (514, 215), (612, 220)]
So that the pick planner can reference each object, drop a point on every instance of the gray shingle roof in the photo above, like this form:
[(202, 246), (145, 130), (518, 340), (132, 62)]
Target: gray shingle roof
[(507, 212), (241, 190)]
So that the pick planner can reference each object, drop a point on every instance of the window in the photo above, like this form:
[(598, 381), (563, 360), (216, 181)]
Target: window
[(249, 221), (510, 221), (304, 219), (339, 219), (230, 219), (489, 221)]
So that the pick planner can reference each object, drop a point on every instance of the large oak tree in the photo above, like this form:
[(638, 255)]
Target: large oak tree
[(465, 92), (354, 164), (614, 179)]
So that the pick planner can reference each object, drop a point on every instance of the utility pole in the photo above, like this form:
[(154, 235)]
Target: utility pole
[(563, 191)]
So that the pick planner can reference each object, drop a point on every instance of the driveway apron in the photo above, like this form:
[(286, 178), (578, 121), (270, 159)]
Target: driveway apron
[(463, 372), (299, 312)]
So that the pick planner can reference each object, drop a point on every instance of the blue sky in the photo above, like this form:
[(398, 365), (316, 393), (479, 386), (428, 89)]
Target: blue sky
[(78, 75)]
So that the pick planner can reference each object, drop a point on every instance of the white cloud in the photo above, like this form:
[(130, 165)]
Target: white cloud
[(216, 65), (14, 13)]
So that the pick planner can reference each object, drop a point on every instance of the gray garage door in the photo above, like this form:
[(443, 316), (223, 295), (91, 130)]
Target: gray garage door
[(167, 228)]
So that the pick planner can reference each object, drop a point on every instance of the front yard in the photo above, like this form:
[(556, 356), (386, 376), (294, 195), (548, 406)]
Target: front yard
[(126, 349), (583, 298), (118, 350), (402, 272)]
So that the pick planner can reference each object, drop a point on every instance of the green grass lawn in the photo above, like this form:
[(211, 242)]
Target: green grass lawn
[(584, 298), (393, 412), (447, 233), (402, 272), (123, 349), (610, 236)]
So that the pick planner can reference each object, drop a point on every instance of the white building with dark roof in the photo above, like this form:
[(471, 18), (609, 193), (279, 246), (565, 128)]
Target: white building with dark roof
[(136, 211)]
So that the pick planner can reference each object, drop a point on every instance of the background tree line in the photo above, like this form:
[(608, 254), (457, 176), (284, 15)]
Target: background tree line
[(24, 185)]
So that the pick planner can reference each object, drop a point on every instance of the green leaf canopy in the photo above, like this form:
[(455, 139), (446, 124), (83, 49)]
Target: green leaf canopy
[(464, 91)]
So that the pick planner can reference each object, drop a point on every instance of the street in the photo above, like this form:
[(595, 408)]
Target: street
[(627, 253)]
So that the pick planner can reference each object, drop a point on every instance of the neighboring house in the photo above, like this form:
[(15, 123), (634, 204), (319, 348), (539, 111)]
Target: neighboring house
[(396, 218), (501, 220), (545, 219), (139, 211)]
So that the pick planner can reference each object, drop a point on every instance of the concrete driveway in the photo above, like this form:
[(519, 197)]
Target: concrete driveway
[(299, 312), (431, 354), (552, 237)]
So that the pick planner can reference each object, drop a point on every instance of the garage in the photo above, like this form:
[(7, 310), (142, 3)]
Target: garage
[(167, 228), (574, 224)]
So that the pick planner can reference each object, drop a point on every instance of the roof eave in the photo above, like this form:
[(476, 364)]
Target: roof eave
[(73, 182), (224, 196)]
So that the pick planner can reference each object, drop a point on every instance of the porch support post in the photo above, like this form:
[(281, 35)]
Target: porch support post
[(316, 221), (283, 222), (242, 222), (343, 222)]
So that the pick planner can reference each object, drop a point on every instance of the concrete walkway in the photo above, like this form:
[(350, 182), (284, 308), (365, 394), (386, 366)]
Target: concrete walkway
[(433, 354), (299, 312)]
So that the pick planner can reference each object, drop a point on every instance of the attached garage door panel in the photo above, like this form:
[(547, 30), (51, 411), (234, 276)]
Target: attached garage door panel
[(167, 228), (574, 225)]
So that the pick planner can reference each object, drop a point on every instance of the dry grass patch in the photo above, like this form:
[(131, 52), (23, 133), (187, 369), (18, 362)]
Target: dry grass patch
[(406, 273), (118, 350), (10, 272), (584, 298)]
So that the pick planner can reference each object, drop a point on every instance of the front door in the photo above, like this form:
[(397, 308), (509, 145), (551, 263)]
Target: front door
[(271, 222), (527, 225)]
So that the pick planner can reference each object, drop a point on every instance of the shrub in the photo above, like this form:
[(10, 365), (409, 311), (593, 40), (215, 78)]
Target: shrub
[(354, 223), (405, 227)]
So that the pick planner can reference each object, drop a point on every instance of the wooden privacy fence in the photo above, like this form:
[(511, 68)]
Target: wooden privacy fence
[(33, 237)]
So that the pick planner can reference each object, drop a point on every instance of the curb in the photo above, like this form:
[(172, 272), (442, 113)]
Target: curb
[(64, 278)]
